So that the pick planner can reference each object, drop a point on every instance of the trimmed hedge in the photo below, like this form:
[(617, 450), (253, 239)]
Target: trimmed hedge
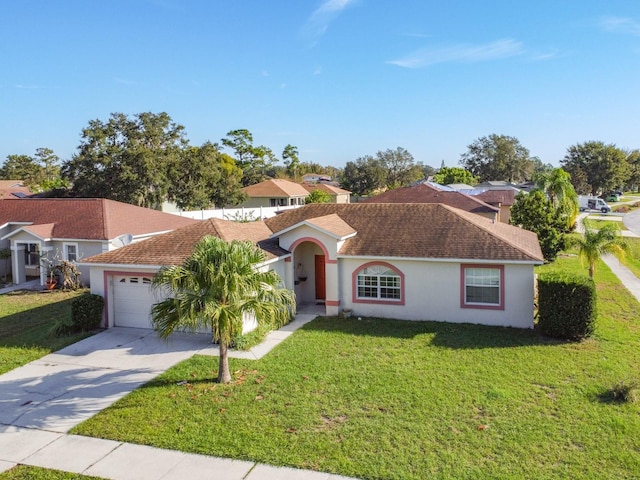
[(86, 312), (567, 306)]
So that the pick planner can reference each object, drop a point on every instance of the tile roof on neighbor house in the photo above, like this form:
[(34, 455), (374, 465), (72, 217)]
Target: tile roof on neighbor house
[(420, 230), (425, 193), (88, 218), (13, 189), (493, 197), (417, 230), (274, 188), (174, 247)]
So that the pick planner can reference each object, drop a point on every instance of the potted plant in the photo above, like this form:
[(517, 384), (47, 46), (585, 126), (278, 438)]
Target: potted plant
[(51, 280)]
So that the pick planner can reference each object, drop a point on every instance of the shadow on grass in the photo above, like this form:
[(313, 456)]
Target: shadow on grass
[(30, 323), (448, 335)]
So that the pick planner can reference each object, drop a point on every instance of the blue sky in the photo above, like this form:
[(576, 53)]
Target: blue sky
[(339, 79)]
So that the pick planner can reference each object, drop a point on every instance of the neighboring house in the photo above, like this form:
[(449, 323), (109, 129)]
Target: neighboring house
[(13, 189), (502, 199), (72, 229), (338, 195), (428, 193), (405, 261), (273, 193), (315, 177)]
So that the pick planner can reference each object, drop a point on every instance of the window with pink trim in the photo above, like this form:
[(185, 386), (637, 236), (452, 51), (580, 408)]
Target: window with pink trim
[(483, 286), (378, 282)]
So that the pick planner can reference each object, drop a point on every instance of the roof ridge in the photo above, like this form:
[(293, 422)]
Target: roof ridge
[(479, 221)]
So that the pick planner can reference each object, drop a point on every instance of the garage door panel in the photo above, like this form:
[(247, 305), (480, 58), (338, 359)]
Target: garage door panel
[(133, 300)]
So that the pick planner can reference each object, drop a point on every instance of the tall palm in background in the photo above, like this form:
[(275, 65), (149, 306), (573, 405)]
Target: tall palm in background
[(219, 286), (595, 243), (556, 184)]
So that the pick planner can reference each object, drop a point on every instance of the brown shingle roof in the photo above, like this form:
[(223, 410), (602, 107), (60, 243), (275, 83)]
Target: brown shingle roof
[(276, 187), (504, 197), (174, 247), (325, 187), (333, 224), (89, 218), (425, 193), (420, 230), (10, 187)]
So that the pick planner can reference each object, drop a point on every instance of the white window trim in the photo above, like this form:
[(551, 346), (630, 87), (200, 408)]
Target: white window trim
[(66, 252), (500, 286)]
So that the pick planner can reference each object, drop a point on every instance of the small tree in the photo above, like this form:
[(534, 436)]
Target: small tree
[(217, 286), (536, 213), (447, 175), (595, 243), (318, 196)]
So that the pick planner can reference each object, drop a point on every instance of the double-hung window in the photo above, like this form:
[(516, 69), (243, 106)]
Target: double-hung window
[(31, 254), (71, 252), (483, 286), (378, 282)]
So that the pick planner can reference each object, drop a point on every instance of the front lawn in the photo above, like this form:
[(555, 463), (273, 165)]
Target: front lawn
[(385, 399), (25, 472), (25, 321), (632, 258)]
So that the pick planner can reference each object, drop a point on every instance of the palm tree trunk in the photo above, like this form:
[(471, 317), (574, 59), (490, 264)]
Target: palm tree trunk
[(592, 268), (223, 369)]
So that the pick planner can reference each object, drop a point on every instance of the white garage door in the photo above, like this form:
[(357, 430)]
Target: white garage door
[(132, 301)]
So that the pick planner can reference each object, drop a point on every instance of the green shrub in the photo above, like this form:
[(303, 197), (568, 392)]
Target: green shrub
[(250, 339), (566, 306), (622, 392), (86, 312), (62, 327)]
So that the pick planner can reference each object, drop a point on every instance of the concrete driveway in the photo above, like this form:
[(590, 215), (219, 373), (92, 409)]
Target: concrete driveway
[(62, 389)]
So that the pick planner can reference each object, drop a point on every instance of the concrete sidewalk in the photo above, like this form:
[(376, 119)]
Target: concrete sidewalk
[(626, 276), (41, 401), (125, 461)]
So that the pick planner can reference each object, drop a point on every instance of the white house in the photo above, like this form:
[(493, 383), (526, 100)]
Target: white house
[(404, 261), (72, 229)]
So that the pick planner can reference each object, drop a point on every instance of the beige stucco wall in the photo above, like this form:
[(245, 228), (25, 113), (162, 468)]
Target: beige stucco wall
[(432, 292)]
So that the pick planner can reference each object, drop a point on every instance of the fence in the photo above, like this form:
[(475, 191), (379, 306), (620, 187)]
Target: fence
[(243, 214)]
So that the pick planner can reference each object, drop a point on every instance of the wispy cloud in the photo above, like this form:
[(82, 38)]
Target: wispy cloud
[(317, 70), (625, 25), (318, 23), (23, 86), (426, 57), (548, 55)]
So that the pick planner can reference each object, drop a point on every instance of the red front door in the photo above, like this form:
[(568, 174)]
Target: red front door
[(321, 292)]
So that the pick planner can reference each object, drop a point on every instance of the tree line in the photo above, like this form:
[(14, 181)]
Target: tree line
[(146, 159)]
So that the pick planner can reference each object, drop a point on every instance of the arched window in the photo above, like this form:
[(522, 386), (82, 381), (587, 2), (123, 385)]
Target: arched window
[(378, 282)]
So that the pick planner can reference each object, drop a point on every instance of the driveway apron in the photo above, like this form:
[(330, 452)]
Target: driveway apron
[(61, 390)]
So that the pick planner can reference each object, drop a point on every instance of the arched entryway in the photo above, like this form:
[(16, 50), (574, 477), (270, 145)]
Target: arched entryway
[(310, 279)]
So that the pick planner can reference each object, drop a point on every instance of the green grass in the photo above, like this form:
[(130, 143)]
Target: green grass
[(632, 258), (25, 321), (386, 399), (25, 472), (598, 224)]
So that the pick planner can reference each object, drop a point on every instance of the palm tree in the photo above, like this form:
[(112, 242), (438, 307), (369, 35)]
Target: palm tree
[(596, 243), (218, 286), (556, 184)]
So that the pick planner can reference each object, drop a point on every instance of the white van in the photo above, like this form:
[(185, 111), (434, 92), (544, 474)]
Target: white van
[(587, 202)]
